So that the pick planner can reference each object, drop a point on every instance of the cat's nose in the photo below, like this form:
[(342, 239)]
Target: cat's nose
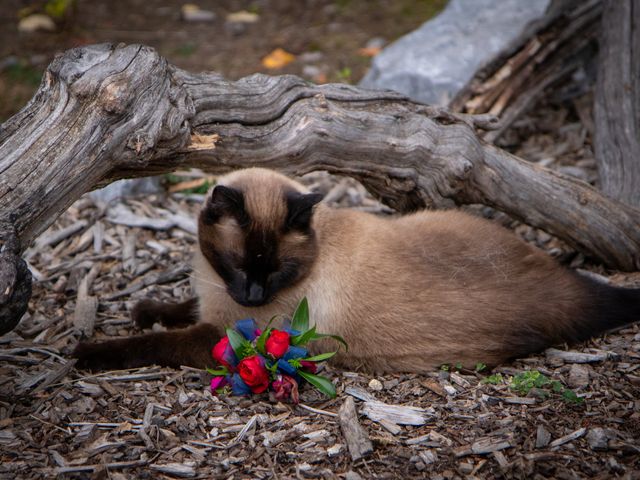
[(256, 293)]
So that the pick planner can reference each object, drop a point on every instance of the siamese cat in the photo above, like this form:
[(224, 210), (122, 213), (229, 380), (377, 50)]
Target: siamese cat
[(408, 293)]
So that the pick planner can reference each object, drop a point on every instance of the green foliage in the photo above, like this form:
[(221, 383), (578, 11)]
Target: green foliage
[(337, 338), (524, 382), (480, 367), (321, 357), (240, 345), (218, 371), (186, 49), (173, 179), (300, 320), (304, 337), (321, 383), (344, 75), (262, 339), (494, 379), (57, 9), (23, 73)]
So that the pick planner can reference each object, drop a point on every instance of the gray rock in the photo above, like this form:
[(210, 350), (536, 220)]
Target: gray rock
[(351, 475), (434, 62), (578, 376), (543, 437), (126, 188), (598, 438)]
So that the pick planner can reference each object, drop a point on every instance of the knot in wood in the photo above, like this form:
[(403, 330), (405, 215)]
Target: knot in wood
[(140, 143), (115, 97), (321, 101)]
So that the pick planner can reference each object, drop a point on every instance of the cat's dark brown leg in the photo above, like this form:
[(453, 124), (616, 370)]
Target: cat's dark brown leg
[(190, 346), (170, 315)]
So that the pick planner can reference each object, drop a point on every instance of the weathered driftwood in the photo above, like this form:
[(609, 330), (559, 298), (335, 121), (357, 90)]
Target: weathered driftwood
[(105, 112), (617, 102), (547, 52), (357, 439)]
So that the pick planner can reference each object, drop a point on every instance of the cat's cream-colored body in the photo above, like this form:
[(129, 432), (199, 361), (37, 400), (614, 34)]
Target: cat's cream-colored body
[(412, 292)]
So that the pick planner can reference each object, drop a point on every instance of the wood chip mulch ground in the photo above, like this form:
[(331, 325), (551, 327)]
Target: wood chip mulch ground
[(580, 419)]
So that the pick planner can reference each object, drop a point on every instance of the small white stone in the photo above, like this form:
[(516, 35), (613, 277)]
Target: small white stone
[(450, 389), (334, 450), (36, 22), (193, 13), (376, 385), (183, 397)]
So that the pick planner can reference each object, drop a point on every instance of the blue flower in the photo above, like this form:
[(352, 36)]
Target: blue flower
[(286, 326), (247, 327), (286, 367), (238, 387), (295, 352)]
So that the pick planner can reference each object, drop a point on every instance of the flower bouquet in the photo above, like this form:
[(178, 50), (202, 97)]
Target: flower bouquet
[(252, 361)]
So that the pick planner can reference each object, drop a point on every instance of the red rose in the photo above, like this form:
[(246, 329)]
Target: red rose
[(277, 344), (253, 373), (309, 366), (223, 353)]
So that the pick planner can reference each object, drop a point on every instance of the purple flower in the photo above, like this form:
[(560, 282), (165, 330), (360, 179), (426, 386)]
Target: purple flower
[(247, 327), (238, 387), (218, 383), (285, 388)]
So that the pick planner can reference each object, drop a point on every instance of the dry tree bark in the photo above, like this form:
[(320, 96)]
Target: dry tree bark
[(545, 54), (105, 112), (617, 102)]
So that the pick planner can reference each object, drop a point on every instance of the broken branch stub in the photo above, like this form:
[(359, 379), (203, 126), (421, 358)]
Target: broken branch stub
[(104, 112)]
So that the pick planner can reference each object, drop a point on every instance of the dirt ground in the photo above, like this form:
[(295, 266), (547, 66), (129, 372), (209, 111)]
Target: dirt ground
[(580, 419), (325, 36)]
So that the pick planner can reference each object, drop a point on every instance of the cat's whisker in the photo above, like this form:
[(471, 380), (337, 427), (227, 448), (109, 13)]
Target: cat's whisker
[(208, 282)]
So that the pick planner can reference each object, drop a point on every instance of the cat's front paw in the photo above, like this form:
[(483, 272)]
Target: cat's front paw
[(147, 312)]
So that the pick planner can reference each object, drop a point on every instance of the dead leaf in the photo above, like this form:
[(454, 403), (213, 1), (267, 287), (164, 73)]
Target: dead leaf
[(278, 59), (369, 51), (242, 17)]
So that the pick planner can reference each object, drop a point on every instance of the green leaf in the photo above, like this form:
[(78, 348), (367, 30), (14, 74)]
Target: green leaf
[(305, 337), (300, 320), (235, 339), (321, 357), (218, 372), (262, 340), (494, 379), (337, 338), (295, 363), (571, 397), (240, 345), (321, 383)]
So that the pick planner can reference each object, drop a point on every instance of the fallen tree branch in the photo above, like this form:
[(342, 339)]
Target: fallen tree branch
[(617, 98), (546, 53), (105, 112)]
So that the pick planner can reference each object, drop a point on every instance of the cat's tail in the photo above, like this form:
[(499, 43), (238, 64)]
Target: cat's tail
[(604, 308)]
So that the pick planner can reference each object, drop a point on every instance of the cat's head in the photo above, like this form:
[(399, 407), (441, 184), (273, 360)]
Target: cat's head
[(256, 231)]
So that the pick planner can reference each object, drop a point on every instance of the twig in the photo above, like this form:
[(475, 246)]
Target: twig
[(317, 410)]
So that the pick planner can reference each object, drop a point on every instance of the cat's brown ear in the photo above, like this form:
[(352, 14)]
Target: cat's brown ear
[(224, 201), (300, 209)]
